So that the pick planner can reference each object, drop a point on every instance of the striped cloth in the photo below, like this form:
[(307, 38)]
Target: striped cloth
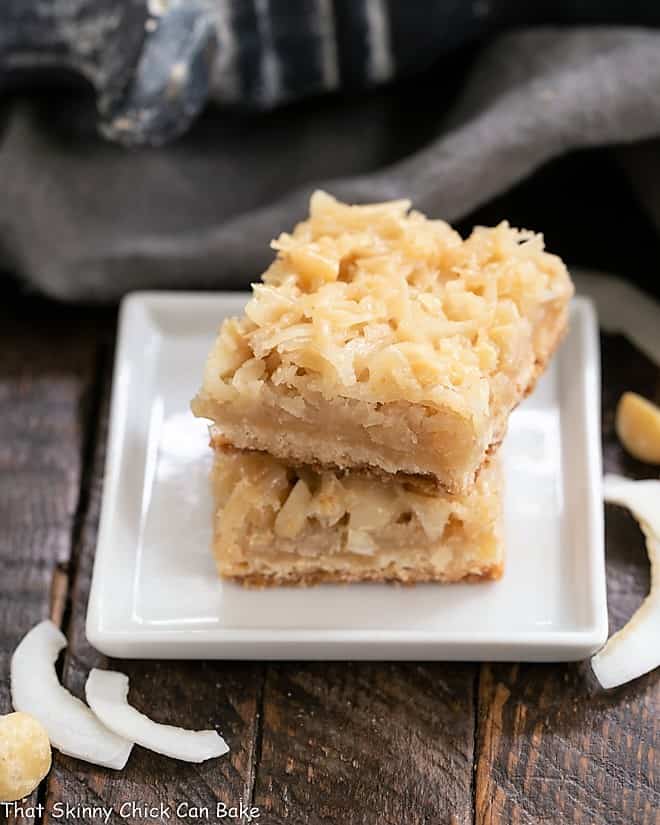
[(270, 52)]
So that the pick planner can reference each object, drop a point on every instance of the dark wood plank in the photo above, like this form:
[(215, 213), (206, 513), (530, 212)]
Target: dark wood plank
[(200, 695), (367, 743), (552, 746), (44, 390)]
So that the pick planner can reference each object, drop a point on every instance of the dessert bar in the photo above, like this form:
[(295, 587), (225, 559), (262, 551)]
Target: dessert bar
[(276, 525), (381, 340)]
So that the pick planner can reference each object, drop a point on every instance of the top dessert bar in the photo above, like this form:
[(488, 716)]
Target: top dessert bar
[(381, 340)]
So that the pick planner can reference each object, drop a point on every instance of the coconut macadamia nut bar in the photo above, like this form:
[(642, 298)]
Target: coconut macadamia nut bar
[(278, 525), (380, 339)]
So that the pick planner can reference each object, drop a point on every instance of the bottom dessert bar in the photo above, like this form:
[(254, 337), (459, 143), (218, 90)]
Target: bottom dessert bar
[(279, 525)]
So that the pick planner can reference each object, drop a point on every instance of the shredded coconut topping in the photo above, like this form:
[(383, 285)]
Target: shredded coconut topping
[(379, 303)]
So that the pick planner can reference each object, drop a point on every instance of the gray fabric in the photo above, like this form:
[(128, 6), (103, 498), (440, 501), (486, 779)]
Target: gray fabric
[(94, 223)]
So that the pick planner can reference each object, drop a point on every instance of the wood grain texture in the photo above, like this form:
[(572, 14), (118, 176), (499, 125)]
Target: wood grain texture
[(315, 742), (201, 695), (552, 746), (43, 395), (363, 743)]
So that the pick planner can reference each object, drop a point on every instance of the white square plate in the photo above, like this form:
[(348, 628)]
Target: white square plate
[(155, 593)]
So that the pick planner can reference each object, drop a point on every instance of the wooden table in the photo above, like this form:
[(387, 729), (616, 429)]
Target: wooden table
[(310, 742)]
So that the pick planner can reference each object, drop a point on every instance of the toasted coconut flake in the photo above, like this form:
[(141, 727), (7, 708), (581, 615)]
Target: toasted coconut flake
[(71, 726), (635, 649), (107, 693)]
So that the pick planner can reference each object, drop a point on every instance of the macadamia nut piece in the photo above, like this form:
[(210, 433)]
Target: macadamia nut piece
[(25, 755), (638, 427)]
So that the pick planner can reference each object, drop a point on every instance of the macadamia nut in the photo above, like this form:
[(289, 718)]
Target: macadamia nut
[(25, 756), (638, 427)]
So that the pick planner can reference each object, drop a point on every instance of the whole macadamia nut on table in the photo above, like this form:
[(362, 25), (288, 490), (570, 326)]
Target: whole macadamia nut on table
[(25, 756)]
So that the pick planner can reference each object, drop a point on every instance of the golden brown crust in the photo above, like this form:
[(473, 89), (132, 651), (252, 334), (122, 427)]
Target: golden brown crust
[(260, 582)]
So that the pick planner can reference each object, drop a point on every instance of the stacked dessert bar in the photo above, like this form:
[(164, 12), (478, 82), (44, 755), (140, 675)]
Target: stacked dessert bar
[(358, 404)]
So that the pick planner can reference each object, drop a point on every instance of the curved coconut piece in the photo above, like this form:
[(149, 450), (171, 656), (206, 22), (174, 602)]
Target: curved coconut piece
[(107, 693), (635, 649), (71, 726)]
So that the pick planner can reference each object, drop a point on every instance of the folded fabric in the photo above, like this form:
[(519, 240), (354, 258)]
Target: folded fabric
[(82, 219)]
